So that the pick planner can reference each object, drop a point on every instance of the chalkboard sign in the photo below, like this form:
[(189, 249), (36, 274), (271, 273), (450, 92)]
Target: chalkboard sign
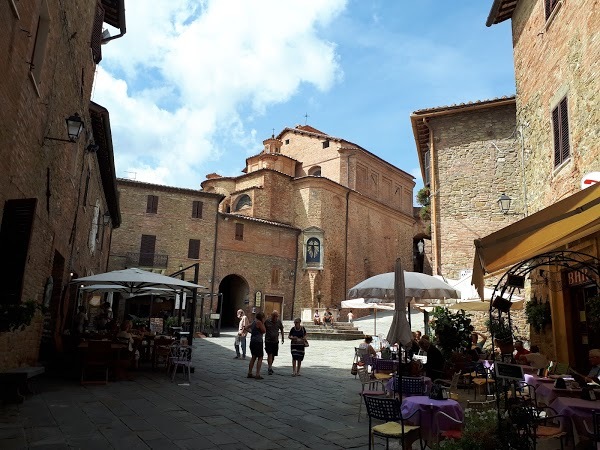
[(508, 371)]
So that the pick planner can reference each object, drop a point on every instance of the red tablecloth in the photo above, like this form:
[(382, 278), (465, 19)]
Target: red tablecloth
[(428, 408)]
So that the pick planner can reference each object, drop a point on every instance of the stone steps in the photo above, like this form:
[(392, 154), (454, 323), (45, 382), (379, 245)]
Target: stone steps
[(342, 331)]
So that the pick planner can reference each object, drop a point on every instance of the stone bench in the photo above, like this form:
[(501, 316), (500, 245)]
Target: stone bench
[(14, 383)]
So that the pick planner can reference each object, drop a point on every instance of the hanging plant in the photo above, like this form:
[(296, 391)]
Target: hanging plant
[(16, 316), (593, 313), (538, 314), (500, 329)]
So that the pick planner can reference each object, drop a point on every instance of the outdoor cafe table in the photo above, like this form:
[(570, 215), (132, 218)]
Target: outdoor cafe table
[(428, 408), (577, 409)]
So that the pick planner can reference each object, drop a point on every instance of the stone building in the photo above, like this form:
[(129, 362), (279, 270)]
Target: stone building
[(556, 247), (310, 216), (58, 195), (469, 156), (164, 229)]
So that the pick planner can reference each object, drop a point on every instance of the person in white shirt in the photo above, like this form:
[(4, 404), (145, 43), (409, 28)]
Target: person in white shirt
[(594, 359), (535, 359), (350, 317)]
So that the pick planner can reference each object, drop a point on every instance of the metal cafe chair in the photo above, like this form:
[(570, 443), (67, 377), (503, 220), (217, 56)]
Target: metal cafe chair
[(396, 426)]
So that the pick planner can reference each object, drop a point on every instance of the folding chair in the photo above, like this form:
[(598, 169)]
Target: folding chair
[(183, 360), (369, 386)]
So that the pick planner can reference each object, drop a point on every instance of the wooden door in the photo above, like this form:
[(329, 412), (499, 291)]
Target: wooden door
[(272, 303)]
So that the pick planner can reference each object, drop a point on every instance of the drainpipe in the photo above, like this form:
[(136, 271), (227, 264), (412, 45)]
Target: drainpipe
[(295, 275), (214, 267), (523, 171), (346, 245)]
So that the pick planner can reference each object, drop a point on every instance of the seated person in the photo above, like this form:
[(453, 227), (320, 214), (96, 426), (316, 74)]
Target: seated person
[(594, 359), (477, 343), (124, 336), (535, 359), (317, 318), (520, 350), (367, 346), (434, 368), (328, 318)]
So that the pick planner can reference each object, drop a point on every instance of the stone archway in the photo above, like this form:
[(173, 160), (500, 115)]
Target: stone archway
[(234, 292)]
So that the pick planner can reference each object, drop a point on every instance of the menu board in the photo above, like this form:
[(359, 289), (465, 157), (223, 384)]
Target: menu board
[(508, 371), (156, 324)]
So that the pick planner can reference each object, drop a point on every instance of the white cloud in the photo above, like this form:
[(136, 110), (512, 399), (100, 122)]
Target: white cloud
[(186, 74)]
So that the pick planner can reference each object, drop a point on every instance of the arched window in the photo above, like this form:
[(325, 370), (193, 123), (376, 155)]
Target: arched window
[(243, 201), (313, 251), (315, 171)]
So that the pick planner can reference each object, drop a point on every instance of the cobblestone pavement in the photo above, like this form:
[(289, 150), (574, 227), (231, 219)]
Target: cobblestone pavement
[(219, 409)]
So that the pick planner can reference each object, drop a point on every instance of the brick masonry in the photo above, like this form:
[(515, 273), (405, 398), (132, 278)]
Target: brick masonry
[(54, 173)]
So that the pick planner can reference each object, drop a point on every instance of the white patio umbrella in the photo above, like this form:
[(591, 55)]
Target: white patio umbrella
[(360, 303), (102, 288), (380, 288), (133, 280)]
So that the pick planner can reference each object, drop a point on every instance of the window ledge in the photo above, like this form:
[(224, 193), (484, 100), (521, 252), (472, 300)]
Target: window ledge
[(553, 14), (561, 166)]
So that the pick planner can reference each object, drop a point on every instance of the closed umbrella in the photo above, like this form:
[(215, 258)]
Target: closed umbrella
[(400, 329)]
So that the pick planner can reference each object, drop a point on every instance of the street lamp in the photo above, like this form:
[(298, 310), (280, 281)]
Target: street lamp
[(74, 128), (504, 203)]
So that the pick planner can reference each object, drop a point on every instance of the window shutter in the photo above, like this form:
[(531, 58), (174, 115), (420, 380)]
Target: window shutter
[(194, 249), (239, 231), (197, 209), (426, 163), (556, 130), (274, 275), (147, 248), (96, 42), (152, 204), (564, 130), (15, 234)]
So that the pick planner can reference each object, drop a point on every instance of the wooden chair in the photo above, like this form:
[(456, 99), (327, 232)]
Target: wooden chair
[(534, 424), (482, 380), (97, 359), (396, 426), (451, 385), (369, 386), (161, 351)]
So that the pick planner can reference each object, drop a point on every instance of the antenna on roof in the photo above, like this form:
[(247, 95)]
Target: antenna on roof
[(306, 116)]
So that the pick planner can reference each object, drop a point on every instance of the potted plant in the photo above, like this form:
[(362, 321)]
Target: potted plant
[(538, 314), (503, 337), (479, 433), (452, 330), (16, 316)]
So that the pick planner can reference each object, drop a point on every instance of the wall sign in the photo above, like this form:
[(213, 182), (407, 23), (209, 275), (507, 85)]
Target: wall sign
[(258, 299)]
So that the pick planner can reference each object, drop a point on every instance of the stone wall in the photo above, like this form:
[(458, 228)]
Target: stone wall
[(556, 59), (476, 159)]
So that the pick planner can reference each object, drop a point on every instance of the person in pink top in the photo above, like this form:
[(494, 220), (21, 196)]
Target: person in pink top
[(240, 339)]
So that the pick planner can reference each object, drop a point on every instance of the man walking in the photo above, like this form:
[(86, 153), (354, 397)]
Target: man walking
[(240, 340), (273, 326)]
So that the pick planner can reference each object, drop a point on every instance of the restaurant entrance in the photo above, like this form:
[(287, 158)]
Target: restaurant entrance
[(584, 337)]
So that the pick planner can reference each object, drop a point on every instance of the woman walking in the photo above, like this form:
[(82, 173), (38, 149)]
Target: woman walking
[(297, 336), (257, 329)]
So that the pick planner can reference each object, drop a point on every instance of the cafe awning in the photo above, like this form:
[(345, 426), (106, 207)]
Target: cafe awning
[(562, 222)]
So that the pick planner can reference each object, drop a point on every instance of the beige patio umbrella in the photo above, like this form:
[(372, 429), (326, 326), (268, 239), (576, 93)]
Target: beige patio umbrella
[(399, 330), (361, 303)]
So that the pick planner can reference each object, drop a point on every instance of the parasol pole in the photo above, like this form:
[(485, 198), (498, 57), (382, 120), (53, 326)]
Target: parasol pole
[(375, 324)]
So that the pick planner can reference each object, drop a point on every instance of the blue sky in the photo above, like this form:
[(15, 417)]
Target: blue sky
[(194, 87)]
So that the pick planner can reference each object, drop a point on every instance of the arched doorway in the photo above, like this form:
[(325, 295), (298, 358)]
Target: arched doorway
[(234, 290)]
